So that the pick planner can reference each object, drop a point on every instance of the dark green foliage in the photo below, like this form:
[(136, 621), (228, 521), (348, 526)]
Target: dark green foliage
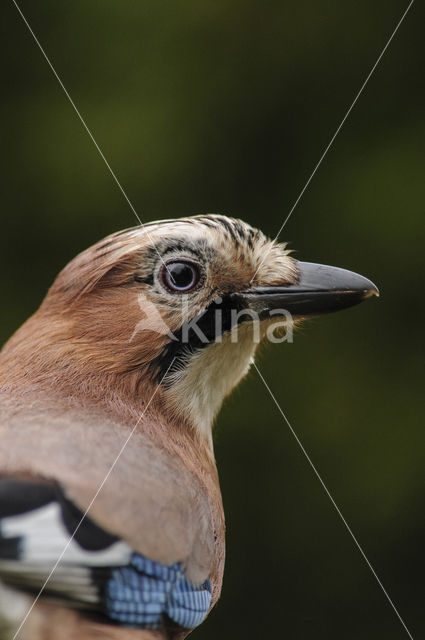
[(226, 107)]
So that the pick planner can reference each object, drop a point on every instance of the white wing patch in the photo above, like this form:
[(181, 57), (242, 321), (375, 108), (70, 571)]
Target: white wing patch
[(43, 538)]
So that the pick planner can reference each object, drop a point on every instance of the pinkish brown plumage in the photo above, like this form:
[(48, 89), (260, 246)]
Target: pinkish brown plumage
[(89, 365)]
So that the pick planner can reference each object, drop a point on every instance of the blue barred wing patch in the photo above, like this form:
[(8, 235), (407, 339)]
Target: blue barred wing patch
[(99, 572), (146, 593)]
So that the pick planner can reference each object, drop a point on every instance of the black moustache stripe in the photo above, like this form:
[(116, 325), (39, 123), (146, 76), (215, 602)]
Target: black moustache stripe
[(216, 320)]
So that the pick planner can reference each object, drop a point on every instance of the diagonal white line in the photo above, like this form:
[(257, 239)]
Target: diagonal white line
[(341, 124), (169, 367), (83, 122), (262, 378), (347, 526), (369, 75), (92, 501), (77, 112)]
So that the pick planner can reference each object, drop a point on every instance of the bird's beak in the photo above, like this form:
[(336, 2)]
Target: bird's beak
[(320, 289)]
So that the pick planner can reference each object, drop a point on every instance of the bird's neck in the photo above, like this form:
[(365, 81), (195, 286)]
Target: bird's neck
[(43, 354), (196, 390)]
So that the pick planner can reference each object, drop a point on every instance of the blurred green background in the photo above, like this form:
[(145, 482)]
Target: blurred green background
[(226, 107)]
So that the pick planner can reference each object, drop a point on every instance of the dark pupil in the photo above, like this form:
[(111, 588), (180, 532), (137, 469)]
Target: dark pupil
[(181, 275)]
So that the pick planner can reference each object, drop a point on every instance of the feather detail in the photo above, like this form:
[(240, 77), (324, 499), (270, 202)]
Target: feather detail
[(97, 571)]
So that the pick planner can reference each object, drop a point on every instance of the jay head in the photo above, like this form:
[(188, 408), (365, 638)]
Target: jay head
[(152, 326), (181, 303)]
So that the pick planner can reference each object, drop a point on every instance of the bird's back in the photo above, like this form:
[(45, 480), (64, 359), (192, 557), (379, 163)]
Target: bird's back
[(155, 525)]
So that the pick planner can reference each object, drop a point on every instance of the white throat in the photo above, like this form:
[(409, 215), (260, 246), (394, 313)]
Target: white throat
[(197, 390)]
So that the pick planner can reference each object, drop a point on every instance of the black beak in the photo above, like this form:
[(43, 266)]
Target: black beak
[(320, 289)]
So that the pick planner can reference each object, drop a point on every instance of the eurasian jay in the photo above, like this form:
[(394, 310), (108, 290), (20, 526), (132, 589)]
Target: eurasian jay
[(136, 337)]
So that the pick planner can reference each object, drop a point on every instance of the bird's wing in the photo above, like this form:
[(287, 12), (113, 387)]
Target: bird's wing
[(36, 525), (152, 518), (45, 542), (143, 493)]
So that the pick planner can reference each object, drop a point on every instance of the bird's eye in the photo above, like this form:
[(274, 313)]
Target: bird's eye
[(179, 276)]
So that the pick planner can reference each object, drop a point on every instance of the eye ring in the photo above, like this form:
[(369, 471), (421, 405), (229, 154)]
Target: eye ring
[(180, 276)]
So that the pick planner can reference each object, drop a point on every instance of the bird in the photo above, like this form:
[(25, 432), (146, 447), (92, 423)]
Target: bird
[(108, 396)]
